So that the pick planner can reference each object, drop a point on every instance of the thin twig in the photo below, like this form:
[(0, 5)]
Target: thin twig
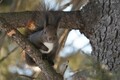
[(1, 60), (62, 39), (2, 37), (29, 77)]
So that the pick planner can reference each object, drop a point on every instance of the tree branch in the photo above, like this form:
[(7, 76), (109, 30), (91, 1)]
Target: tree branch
[(21, 19), (2, 59), (49, 72)]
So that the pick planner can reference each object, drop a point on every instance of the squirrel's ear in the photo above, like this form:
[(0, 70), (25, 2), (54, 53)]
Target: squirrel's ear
[(57, 22), (46, 21)]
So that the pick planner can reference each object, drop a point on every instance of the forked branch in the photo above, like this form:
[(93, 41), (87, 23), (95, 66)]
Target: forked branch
[(48, 71)]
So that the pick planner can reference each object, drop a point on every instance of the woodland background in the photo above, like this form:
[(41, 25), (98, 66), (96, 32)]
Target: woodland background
[(13, 67)]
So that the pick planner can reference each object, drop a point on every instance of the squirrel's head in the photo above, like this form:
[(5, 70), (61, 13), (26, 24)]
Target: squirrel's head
[(50, 33)]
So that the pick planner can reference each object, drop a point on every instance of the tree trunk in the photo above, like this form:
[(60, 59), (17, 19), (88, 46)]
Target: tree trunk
[(102, 26)]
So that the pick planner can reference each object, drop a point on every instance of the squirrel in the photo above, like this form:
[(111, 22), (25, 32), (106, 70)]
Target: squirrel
[(46, 40)]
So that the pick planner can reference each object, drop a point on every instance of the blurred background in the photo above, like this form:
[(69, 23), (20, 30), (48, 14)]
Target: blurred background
[(74, 54)]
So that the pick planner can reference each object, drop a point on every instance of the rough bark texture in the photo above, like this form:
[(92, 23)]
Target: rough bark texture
[(21, 19), (103, 29)]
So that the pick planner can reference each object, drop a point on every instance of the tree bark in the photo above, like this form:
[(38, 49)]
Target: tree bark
[(21, 19), (101, 19)]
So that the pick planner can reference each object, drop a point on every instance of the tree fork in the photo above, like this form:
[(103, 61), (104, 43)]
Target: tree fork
[(47, 70)]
